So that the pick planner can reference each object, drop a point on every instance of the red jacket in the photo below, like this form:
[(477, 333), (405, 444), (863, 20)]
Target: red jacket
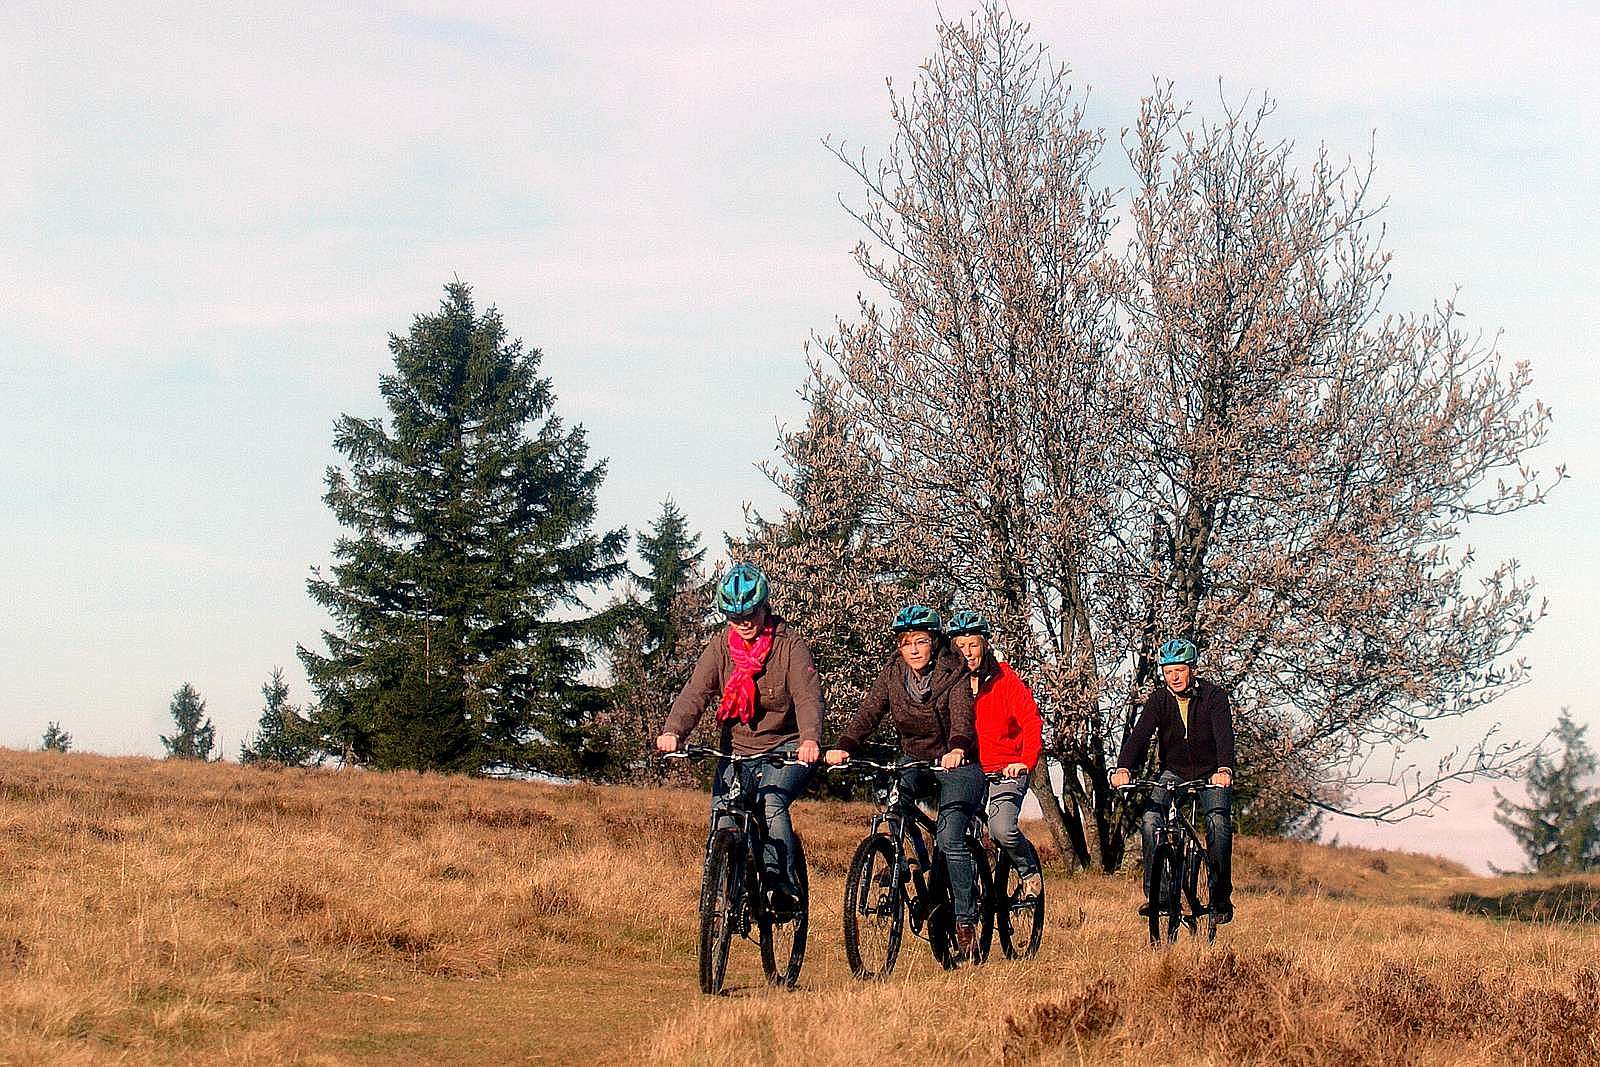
[(1009, 730)]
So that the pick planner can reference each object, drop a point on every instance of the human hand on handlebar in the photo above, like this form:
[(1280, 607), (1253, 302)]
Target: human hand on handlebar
[(808, 752), (952, 759), (836, 756), (1121, 777), (1223, 778), (1016, 770), (667, 743)]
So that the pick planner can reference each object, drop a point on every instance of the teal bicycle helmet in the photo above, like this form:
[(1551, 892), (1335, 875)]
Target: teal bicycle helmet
[(742, 591), (1177, 651), (965, 622), (916, 617)]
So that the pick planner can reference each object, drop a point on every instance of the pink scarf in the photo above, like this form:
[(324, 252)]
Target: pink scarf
[(739, 695)]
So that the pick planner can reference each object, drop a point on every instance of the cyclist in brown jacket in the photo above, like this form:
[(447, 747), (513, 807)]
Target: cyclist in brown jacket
[(926, 691), (769, 699)]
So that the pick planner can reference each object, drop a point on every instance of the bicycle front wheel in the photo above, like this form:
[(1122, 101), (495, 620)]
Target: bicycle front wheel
[(720, 894), (1197, 893), (783, 944), (1165, 878), (874, 910), (1019, 916)]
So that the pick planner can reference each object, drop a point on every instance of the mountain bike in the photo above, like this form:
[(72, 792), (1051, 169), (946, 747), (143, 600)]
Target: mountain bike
[(1180, 871), (898, 874), (734, 894), (1017, 917)]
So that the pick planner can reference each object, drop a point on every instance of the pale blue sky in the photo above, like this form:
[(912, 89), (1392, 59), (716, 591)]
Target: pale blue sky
[(212, 218)]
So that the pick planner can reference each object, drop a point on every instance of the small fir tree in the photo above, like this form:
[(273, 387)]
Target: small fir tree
[(282, 736), (1559, 827), (195, 737), (55, 739), (652, 656)]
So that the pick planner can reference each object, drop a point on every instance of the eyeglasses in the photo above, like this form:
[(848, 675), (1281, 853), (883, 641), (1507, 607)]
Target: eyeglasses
[(749, 616), (916, 642)]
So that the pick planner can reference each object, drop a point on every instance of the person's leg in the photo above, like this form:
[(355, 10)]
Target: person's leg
[(1005, 806), (777, 788), (1153, 824), (1217, 803), (960, 794)]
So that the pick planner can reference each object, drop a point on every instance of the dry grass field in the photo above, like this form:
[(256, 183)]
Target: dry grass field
[(161, 913)]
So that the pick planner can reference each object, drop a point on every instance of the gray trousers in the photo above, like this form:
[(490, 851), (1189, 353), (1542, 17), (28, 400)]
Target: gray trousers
[(1005, 806)]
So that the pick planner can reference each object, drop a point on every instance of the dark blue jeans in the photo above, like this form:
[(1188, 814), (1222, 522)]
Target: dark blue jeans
[(1216, 811), (776, 787), (960, 794)]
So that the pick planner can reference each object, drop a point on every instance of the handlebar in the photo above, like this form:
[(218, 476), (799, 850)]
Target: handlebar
[(1156, 783), (894, 768), (705, 752)]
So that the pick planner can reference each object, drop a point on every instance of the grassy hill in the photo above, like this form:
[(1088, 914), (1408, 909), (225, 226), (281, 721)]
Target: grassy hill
[(162, 912)]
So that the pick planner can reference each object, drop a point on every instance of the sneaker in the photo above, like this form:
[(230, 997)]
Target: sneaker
[(1223, 915), (1144, 909), (966, 940), (1031, 887)]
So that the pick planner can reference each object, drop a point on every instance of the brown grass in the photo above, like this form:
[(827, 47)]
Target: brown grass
[(160, 912)]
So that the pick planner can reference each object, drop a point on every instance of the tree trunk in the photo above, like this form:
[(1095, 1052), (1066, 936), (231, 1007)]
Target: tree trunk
[(1065, 829)]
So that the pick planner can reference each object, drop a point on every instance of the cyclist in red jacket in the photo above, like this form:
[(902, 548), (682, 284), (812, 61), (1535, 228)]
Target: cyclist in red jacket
[(1010, 736)]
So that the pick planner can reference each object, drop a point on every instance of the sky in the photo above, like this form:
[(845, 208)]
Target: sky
[(212, 216)]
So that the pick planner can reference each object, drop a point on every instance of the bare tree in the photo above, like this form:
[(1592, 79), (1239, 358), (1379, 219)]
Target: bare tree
[(1211, 433), (1307, 464), (837, 573)]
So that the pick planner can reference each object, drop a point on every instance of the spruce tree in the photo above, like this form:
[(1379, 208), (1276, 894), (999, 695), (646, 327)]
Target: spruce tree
[(460, 633), (669, 621), (55, 739), (194, 737), (1559, 827), (672, 558), (282, 735)]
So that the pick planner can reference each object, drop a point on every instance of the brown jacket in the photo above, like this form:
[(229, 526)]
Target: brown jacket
[(927, 731), (788, 695)]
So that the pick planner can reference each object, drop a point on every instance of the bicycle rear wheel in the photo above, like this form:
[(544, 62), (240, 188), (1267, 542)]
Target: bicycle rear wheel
[(983, 894), (783, 944), (1197, 894), (720, 894), (874, 909), (1019, 918)]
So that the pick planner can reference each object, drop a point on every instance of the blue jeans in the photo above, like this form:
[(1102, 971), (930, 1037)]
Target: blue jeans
[(960, 794), (1216, 812), (776, 787), (1005, 805)]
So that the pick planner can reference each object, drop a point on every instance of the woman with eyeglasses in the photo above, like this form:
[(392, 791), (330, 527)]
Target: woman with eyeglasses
[(924, 689), (769, 700)]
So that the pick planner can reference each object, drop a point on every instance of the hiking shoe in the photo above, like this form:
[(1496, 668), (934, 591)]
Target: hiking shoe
[(784, 904), (1222, 915), (1144, 909), (1031, 886), (966, 940)]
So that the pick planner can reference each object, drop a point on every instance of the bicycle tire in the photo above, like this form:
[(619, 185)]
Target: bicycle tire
[(1197, 891), (983, 893), (774, 934), (867, 897), (1019, 920), (1163, 899), (721, 889)]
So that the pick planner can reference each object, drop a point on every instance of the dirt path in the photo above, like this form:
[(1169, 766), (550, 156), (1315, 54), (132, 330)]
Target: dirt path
[(598, 1012)]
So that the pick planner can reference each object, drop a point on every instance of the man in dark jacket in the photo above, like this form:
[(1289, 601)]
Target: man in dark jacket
[(924, 688), (1193, 724)]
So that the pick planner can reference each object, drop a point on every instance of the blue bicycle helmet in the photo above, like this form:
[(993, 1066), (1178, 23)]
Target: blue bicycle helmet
[(1178, 650), (966, 622), (742, 591), (916, 617)]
